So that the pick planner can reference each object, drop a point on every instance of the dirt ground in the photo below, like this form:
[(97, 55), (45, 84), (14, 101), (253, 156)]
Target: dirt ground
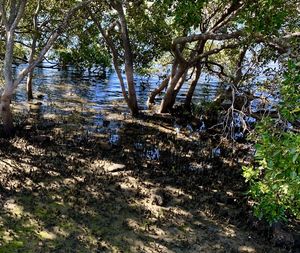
[(124, 185)]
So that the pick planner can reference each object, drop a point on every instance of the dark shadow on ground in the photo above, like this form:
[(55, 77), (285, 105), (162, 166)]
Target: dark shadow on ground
[(121, 185)]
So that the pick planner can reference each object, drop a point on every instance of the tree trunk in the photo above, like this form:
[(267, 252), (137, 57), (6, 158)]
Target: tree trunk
[(29, 86), (9, 85), (177, 89), (191, 91), (128, 60), (10, 24), (166, 104), (7, 115), (153, 94)]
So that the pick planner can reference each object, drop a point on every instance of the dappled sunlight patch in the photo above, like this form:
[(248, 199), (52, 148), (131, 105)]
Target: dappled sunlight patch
[(105, 165), (13, 208), (53, 173), (179, 212), (246, 249), (46, 235), (132, 224), (8, 164), (177, 195), (69, 181), (130, 183), (20, 229), (59, 231), (90, 195), (24, 146), (114, 167), (7, 236), (228, 231), (136, 245), (156, 247), (99, 164)]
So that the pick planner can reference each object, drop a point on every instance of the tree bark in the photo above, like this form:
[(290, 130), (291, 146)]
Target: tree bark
[(177, 89), (7, 117), (191, 91), (130, 94), (9, 87), (166, 104), (30, 74), (15, 14), (129, 71)]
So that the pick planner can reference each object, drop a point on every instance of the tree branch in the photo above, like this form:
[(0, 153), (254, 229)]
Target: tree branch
[(210, 52), (208, 36)]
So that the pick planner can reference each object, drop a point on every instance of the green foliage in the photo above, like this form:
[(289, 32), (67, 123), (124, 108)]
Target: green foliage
[(64, 56), (88, 55), (188, 13), (266, 16), (82, 48), (275, 182), (290, 91), (149, 32)]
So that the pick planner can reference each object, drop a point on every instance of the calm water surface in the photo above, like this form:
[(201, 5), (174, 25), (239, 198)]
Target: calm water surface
[(60, 85)]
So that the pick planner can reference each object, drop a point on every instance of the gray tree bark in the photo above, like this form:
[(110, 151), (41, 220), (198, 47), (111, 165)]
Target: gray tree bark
[(10, 23), (129, 71)]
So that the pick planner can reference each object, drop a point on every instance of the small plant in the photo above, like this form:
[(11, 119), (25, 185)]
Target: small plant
[(275, 180)]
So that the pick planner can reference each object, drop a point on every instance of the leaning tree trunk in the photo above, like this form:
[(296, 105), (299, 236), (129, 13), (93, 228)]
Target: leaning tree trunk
[(178, 88), (164, 84), (191, 91), (10, 24), (167, 102)]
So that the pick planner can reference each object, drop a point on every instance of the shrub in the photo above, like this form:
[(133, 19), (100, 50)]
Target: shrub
[(275, 179)]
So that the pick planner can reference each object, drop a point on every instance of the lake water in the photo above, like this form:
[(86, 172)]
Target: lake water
[(61, 85)]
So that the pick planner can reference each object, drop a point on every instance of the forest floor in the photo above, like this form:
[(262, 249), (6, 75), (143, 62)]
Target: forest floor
[(125, 185)]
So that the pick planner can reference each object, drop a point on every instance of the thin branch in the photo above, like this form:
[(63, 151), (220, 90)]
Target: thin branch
[(207, 36), (208, 63), (211, 52), (20, 13)]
